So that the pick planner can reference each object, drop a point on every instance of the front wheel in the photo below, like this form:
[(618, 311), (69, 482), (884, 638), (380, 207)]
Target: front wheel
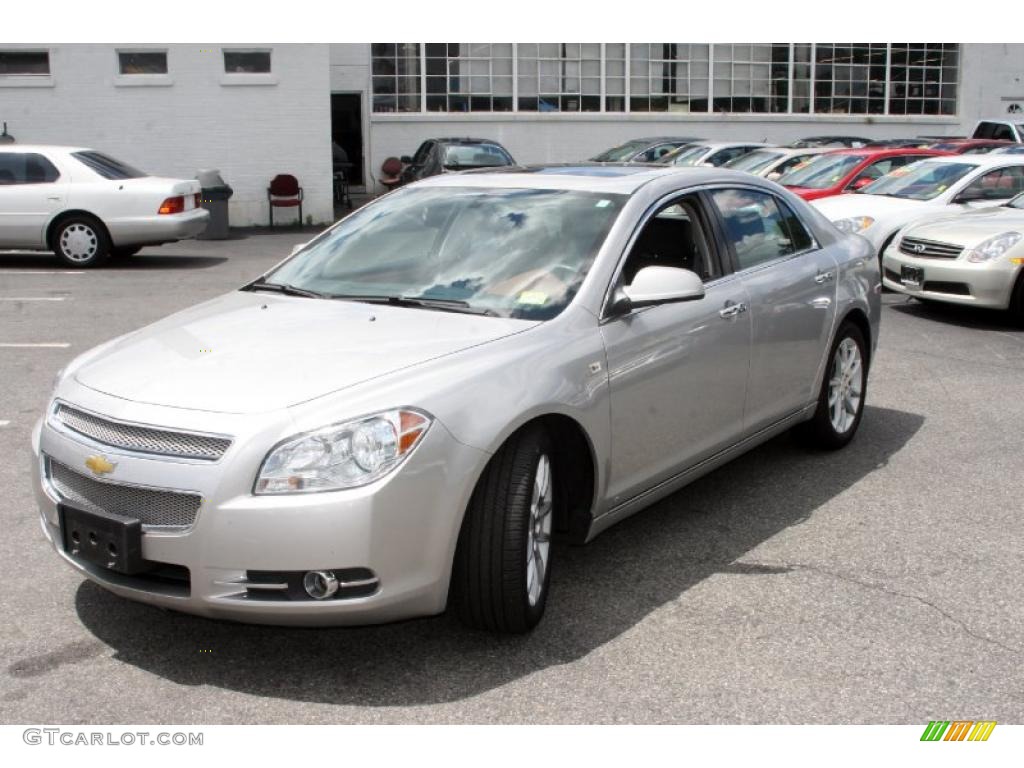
[(81, 241), (843, 390), (502, 563)]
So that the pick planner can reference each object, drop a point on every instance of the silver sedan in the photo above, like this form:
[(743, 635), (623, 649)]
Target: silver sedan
[(406, 413)]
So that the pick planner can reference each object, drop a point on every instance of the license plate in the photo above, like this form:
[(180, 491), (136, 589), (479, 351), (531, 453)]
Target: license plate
[(109, 541), (912, 277)]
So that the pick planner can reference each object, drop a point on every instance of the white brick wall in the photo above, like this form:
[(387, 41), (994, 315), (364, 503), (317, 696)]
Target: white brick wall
[(250, 132)]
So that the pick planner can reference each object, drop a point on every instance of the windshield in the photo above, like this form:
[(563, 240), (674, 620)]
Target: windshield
[(475, 156), (108, 167), (620, 153), (922, 180), (520, 253), (685, 156), (752, 162), (822, 172)]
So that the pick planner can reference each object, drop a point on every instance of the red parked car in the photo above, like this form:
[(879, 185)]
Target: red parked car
[(970, 146), (848, 170)]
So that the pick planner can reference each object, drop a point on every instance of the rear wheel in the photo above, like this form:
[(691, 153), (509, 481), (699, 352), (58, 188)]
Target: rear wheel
[(502, 564), (81, 241), (843, 389)]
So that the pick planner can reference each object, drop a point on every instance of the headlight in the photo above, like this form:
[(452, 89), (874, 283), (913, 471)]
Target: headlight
[(994, 247), (343, 455), (854, 225)]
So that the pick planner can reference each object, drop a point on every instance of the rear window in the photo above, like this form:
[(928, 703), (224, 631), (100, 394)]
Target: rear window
[(474, 156), (108, 167)]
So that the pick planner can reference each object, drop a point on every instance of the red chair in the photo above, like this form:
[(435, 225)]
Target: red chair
[(284, 192), (391, 173)]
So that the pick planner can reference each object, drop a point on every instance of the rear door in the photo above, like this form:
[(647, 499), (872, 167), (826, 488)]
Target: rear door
[(791, 282), (31, 191)]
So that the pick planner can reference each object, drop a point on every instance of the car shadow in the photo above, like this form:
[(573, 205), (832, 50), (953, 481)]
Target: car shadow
[(975, 318), (47, 261), (599, 591)]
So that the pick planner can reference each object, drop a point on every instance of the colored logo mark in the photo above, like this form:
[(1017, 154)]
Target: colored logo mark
[(958, 730)]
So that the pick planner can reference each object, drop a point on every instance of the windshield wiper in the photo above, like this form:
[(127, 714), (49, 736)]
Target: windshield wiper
[(419, 302), (285, 288)]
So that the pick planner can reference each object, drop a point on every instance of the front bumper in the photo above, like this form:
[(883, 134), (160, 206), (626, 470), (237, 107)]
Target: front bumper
[(403, 528), (142, 230), (957, 281)]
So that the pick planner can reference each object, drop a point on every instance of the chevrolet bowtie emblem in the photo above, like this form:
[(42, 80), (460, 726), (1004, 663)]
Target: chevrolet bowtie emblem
[(100, 465)]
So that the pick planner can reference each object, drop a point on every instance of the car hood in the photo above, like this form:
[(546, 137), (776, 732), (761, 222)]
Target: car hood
[(971, 228), (875, 206), (251, 352)]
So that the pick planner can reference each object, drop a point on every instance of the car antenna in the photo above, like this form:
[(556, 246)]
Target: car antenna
[(5, 137)]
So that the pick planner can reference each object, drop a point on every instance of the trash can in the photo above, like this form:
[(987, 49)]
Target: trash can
[(215, 196)]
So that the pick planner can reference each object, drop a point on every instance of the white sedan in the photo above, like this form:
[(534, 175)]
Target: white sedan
[(86, 206), (928, 188)]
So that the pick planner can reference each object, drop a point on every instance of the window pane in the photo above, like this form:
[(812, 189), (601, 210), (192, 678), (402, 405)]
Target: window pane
[(396, 77), (754, 225), (24, 63), (247, 62), (26, 168), (143, 63)]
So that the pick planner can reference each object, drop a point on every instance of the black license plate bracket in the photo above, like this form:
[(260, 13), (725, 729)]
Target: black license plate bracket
[(109, 541)]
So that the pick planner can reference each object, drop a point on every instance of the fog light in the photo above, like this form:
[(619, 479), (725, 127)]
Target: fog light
[(320, 585)]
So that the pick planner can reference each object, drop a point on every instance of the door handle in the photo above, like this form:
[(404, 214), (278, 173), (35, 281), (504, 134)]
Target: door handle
[(732, 310), (54, 198), (823, 277)]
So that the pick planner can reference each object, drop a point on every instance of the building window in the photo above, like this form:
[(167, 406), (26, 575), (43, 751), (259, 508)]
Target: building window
[(559, 77), (923, 78), (396, 77), (668, 77), (469, 77), (763, 78), (24, 63), (247, 62), (142, 62)]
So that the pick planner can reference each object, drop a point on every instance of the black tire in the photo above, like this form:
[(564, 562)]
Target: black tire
[(820, 432), (490, 576), (81, 241), (1017, 302), (125, 251)]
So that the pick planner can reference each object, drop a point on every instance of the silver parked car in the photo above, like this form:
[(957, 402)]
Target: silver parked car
[(405, 413)]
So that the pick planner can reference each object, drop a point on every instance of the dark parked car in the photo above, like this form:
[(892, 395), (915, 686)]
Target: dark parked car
[(648, 150), (448, 155), (830, 141)]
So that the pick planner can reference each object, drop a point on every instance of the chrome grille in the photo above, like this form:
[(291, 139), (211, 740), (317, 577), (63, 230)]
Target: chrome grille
[(133, 437), (156, 508), (929, 249)]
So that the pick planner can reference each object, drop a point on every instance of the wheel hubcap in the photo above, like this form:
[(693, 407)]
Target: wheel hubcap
[(78, 242), (846, 386), (538, 537)]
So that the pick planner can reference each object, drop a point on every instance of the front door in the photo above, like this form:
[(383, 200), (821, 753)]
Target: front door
[(677, 372), (792, 287)]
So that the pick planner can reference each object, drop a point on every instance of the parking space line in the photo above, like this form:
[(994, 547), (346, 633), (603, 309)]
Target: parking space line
[(33, 298), (4, 423), (42, 272), (44, 345)]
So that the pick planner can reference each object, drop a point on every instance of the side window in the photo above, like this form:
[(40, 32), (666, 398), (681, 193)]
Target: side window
[(1000, 184), (755, 226), (1002, 132), (421, 154), (654, 153), (676, 236), (723, 156), (26, 168)]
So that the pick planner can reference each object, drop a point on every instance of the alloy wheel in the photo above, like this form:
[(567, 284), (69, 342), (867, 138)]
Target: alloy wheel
[(538, 535), (845, 388)]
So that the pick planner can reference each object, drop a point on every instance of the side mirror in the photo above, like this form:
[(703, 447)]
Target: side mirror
[(663, 285), (859, 184), (406, 160)]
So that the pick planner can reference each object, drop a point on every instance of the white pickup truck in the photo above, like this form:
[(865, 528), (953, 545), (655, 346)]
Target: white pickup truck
[(999, 128)]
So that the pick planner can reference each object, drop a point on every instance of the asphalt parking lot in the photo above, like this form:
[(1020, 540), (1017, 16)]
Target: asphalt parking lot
[(880, 584)]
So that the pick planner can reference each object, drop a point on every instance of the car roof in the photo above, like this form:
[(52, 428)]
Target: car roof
[(463, 140), (44, 148), (982, 161), (610, 178), (887, 151)]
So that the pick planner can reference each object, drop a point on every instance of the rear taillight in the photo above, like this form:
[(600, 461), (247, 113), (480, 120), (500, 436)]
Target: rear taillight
[(199, 199), (173, 205)]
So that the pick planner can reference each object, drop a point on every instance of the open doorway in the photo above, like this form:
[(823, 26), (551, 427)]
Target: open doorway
[(347, 133)]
